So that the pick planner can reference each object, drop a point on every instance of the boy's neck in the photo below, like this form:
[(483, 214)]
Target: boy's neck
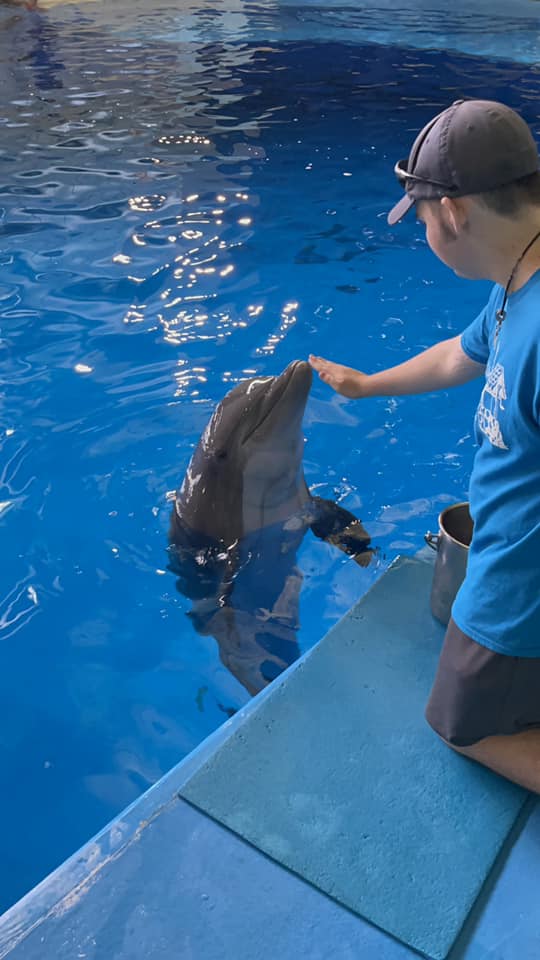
[(516, 241)]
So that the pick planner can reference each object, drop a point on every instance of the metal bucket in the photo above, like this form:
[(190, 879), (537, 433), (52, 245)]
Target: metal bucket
[(452, 546)]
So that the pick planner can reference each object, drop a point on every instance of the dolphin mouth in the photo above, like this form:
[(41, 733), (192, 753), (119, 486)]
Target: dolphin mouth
[(298, 374)]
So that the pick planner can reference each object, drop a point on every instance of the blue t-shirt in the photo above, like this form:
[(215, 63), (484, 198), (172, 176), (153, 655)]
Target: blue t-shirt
[(498, 604)]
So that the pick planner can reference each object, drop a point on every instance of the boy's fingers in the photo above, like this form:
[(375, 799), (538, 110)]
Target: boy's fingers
[(318, 363)]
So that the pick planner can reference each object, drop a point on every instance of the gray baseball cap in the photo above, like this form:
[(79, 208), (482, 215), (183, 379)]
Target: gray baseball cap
[(471, 147)]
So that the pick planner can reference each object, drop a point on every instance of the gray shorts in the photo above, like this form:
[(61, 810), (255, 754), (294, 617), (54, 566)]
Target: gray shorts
[(478, 693)]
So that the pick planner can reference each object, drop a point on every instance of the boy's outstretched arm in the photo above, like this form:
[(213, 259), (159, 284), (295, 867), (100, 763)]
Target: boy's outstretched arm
[(444, 365)]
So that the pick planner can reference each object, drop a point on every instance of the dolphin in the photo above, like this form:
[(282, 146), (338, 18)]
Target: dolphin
[(239, 518)]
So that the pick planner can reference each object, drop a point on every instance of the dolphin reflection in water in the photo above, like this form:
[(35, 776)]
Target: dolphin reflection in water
[(239, 518)]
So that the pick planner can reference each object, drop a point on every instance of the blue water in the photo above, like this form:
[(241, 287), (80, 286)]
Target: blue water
[(175, 217)]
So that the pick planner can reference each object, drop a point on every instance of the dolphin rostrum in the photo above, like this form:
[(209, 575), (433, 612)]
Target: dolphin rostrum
[(240, 517)]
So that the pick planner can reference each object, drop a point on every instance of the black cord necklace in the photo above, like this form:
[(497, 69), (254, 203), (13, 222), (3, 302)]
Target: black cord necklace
[(501, 313)]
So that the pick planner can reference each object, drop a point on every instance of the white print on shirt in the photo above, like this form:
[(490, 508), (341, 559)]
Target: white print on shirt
[(491, 402)]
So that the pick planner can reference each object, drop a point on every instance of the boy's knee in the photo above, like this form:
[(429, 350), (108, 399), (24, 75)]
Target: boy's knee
[(449, 738)]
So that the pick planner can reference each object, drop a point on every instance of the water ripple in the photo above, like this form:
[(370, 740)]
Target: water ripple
[(19, 606)]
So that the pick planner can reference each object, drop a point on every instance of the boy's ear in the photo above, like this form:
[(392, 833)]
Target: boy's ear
[(454, 213)]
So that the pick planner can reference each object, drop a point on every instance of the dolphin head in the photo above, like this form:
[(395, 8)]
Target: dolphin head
[(258, 412), (247, 470)]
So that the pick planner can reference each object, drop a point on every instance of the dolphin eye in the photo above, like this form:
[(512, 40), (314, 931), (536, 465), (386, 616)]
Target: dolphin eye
[(221, 454)]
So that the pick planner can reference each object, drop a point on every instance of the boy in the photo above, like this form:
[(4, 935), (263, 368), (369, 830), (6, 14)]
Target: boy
[(473, 178)]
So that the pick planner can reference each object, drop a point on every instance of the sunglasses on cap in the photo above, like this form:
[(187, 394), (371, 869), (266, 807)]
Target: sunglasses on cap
[(401, 172)]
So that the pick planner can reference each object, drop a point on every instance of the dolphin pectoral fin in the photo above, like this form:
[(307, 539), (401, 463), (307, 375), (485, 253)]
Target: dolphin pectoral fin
[(253, 651), (285, 609), (341, 528)]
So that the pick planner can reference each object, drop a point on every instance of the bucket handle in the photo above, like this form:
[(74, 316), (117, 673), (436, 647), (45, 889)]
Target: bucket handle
[(432, 540)]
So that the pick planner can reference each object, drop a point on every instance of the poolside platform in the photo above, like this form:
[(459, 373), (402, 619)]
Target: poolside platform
[(164, 880)]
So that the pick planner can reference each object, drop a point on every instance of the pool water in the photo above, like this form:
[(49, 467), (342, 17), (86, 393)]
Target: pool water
[(177, 216)]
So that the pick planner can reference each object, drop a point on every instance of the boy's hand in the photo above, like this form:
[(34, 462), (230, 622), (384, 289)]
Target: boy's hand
[(350, 383)]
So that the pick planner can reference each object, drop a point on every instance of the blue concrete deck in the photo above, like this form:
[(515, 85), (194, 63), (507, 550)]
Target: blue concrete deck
[(164, 881)]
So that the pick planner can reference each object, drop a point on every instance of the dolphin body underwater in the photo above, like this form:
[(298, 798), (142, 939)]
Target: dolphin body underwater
[(239, 518)]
